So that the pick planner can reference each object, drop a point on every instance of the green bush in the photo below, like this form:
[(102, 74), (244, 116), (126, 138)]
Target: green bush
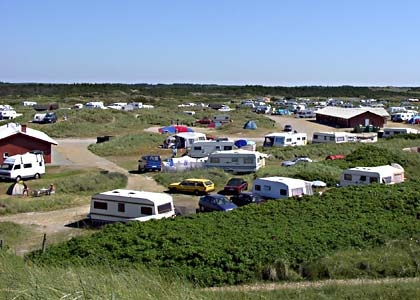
[(239, 246)]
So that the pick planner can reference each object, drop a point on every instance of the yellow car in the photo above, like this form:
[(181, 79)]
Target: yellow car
[(192, 185)]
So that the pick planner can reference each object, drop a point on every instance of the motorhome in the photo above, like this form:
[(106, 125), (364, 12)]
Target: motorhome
[(389, 174), (184, 140), (283, 139), (204, 148), (236, 161), (394, 130), (128, 205), (28, 165), (306, 113), (281, 187), (404, 116), (333, 137), (95, 104), (8, 114)]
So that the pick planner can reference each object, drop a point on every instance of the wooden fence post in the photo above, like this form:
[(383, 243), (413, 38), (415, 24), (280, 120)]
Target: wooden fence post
[(44, 243), (1, 244)]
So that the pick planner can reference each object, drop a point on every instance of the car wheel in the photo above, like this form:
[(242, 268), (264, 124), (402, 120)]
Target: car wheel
[(202, 208), (172, 190), (196, 192), (37, 176)]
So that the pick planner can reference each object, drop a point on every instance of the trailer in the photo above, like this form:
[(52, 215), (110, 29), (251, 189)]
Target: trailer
[(281, 187), (389, 174), (394, 130), (128, 205), (236, 161), (283, 139), (184, 140), (336, 137), (204, 148)]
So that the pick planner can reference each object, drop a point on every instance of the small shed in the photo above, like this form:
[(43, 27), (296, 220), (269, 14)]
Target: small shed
[(17, 139)]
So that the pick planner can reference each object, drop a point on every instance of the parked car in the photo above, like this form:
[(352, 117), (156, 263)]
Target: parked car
[(335, 156), (50, 117), (205, 121), (215, 202), (245, 198), (192, 185), (149, 163), (287, 128), (297, 160), (235, 186)]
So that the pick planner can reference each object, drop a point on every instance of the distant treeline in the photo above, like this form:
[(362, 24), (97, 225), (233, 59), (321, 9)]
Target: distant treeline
[(162, 90)]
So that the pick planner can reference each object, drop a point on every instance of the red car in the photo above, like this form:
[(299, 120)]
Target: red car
[(235, 186), (335, 156)]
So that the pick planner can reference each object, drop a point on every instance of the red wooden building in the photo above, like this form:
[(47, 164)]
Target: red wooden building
[(19, 139), (351, 117)]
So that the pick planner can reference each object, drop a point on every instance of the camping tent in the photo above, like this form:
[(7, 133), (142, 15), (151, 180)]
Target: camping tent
[(175, 129), (16, 188), (414, 120), (250, 125)]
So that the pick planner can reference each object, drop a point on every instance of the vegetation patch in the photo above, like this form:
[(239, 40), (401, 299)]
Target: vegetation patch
[(238, 246)]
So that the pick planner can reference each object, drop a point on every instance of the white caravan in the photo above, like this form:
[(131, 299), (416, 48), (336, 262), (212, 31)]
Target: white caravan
[(8, 114), (393, 131), (95, 104), (281, 187), (127, 205), (283, 139), (28, 165), (236, 161), (204, 148), (389, 174), (184, 140), (333, 137)]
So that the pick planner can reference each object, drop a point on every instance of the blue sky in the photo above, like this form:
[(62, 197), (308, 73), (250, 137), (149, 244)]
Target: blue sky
[(266, 42)]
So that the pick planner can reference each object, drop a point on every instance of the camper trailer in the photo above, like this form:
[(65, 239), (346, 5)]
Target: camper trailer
[(306, 113), (204, 148), (333, 137), (281, 187), (95, 104), (184, 140), (28, 165), (283, 139), (393, 131), (237, 161), (389, 174), (8, 114), (127, 205), (404, 116)]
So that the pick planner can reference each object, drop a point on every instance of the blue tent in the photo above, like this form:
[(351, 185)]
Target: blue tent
[(250, 125), (241, 143), (413, 120)]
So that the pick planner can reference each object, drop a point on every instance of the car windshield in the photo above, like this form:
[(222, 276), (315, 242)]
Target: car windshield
[(6, 167), (221, 200), (235, 181)]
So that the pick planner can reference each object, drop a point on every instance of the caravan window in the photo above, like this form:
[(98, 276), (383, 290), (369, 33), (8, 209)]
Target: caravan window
[(257, 187), (214, 160), (227, 148), (197, 148), (362, 178), (27, 166), (303, 138), (121, 207), (283, 192), (386, 179), (315, 136), (348, 177), (332, 138), (144, 210), (235, 159), (340, 139), (248, 160), (100, 205), (267, 188), (164, 208), (289, 140), (373, 180), (297, 192)]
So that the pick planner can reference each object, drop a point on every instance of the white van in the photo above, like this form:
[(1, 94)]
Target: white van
[(204, 148), (28, 165), (8, 114), (128, 205)]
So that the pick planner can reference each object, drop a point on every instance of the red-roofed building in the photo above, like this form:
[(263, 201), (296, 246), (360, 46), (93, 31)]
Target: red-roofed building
[(19, 139)]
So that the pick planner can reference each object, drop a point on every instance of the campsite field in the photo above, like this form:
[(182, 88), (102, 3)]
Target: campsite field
[(24, 222)]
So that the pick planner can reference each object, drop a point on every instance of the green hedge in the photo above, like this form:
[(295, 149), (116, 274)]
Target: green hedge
[(238, 246)]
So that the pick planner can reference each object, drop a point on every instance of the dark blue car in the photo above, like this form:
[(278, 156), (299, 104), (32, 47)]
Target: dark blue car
[(215, 202)]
